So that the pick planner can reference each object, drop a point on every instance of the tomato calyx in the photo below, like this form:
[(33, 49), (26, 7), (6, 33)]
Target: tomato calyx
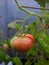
[(26, 35)]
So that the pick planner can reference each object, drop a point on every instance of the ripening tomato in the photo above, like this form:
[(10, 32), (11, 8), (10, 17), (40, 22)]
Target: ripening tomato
[(22, 44)]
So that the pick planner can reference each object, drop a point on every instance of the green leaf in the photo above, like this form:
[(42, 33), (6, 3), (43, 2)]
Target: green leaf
[(44, 45), (31, 28), (37, 63), (44, 42), (42, 61), (46, 17), (44, 36), (32, 51), (16, 61), (7, 42), (28, 63), (7, 59), (17, 26), (42, 2), (2, 55), (13, 23), (43, 12)]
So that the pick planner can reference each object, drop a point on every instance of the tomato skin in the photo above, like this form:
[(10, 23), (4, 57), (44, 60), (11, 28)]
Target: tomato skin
[(22, 44), (30, 36)]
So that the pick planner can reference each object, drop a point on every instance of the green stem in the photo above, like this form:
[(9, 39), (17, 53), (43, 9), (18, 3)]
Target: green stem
[(23, 22), (28, 12)]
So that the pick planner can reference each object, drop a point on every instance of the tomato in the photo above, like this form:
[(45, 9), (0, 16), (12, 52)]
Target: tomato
[(22, 44), (5, 47)]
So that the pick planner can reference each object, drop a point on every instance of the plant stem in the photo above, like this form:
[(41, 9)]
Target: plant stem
[(35, 8), (23, 22), (32, 13), (28, 12)]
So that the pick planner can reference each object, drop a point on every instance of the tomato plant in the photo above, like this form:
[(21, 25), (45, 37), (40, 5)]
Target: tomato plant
[(32, 39)]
